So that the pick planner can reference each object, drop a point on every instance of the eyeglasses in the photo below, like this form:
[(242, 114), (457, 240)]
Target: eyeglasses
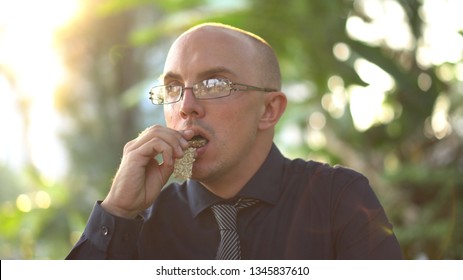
[(207, 89)]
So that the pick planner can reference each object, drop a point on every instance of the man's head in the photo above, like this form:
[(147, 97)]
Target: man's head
[(259, 53), (240, 127)]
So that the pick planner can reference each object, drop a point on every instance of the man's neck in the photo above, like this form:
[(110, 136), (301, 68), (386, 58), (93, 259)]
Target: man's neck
[(229, 185)]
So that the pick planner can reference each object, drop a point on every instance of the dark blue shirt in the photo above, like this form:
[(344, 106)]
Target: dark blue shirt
[(307, 210)]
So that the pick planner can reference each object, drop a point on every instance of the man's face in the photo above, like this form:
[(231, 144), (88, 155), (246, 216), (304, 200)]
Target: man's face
[(230, 124)]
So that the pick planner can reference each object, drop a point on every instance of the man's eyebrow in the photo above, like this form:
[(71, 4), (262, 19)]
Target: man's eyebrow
[(216, 71), (170, 75), (201, 75)]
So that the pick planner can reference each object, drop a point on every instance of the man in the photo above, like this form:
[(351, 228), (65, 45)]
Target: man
[(223, 88)]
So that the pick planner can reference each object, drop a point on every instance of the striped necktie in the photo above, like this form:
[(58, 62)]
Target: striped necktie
[(226, 215)]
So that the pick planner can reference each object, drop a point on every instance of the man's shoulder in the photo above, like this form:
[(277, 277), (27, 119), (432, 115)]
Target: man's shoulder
[(322, 176), (317, 168), (172, 190)]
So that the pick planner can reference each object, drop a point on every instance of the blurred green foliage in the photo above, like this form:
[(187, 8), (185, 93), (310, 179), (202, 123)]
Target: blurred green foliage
[(115, 50)]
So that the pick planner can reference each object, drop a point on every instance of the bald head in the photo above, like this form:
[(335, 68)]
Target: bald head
[(251, 50)]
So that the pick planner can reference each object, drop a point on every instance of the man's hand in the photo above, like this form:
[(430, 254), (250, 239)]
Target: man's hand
[(141, 177)]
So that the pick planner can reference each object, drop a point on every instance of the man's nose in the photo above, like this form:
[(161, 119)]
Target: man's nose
[(190, 106)]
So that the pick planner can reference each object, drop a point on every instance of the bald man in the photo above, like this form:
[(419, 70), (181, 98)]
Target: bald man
[(221, 88)]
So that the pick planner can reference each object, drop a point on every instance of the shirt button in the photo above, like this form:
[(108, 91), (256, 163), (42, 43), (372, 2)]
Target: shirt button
[(104, 230)]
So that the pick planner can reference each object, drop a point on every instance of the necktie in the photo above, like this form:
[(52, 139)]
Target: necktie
[(226, 215)]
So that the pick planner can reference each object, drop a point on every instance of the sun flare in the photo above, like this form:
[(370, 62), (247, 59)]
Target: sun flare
[(32, 68)]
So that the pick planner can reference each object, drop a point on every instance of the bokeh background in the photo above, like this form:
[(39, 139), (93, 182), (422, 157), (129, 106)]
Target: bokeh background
[(375, 85)]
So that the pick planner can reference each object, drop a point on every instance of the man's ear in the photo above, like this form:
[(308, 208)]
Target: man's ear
[(275, 105)]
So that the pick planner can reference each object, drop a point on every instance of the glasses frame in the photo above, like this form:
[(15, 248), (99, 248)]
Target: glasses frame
[(233, 87)]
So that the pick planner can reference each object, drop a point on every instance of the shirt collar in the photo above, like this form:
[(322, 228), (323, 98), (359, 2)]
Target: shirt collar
[(265, 185)]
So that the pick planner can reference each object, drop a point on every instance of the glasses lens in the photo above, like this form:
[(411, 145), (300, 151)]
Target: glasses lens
[(211, 88), (207, 89), (165, 94), (172, 93), (156, 97)]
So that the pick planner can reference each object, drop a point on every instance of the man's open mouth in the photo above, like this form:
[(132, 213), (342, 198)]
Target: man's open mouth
[(197, 141)]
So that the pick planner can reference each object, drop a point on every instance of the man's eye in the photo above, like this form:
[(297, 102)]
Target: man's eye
[(172, 90), (175, 87)]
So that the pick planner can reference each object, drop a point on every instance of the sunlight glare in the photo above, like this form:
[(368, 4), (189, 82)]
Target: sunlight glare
[(316, 139), (317, 121), (372, 74), (366, 103), (27, 30), (442, 41), (388, 24), (291, 135), (24, 203), (42, 199), (341, 51), (365, 106), (440, 120)]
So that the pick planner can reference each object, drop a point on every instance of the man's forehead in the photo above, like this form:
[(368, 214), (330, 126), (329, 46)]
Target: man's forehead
[(211, 36), (202, 74), (208, 51)]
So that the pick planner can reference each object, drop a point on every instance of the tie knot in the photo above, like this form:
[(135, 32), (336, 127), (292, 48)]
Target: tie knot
[(226, 213)]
